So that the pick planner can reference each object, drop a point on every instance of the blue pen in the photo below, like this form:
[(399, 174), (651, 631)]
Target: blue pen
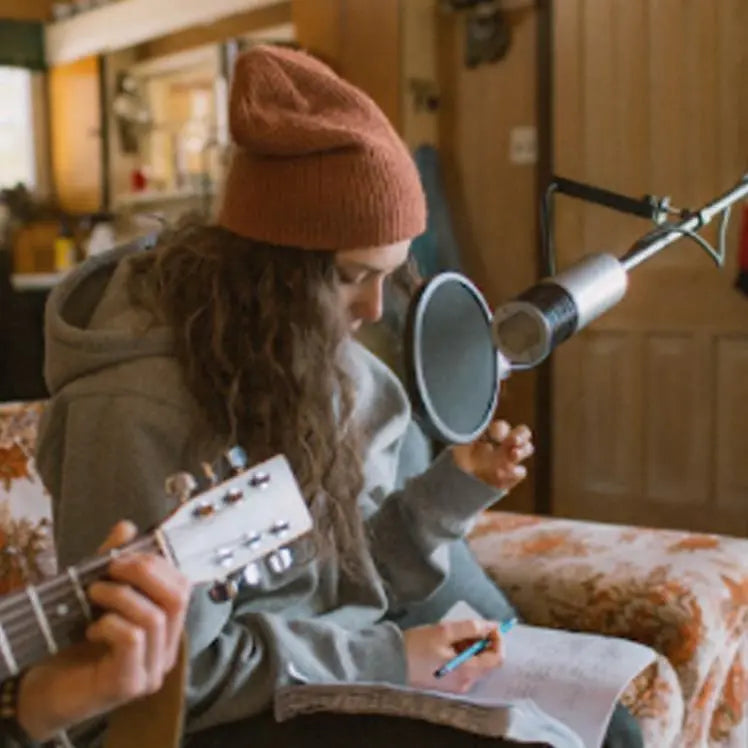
[(472, 650)]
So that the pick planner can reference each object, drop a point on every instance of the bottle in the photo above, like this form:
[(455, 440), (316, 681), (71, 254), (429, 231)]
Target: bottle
[(64, 248)]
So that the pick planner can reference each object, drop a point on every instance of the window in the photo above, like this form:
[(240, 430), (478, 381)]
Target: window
[(17, 158)]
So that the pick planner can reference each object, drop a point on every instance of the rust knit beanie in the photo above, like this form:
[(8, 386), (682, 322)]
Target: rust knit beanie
[(317, 164)]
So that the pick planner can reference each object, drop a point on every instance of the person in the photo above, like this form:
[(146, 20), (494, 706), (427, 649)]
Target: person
[(127, 652), (240, 331)]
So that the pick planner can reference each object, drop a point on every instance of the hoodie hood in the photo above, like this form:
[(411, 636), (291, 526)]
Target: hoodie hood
[(91, 323)]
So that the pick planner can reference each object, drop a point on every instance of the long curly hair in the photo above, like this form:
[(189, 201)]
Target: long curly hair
[(259, 333)]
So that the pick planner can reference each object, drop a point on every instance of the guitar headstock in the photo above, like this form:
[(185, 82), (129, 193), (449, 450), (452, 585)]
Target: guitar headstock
[(242, 527)]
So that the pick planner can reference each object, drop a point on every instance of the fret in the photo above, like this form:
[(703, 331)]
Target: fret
[(7, 652), (61, 608), (79, 593), (42, 619), (161, 545)]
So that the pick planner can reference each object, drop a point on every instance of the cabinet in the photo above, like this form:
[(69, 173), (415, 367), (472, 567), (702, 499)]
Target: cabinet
[(21, 338)]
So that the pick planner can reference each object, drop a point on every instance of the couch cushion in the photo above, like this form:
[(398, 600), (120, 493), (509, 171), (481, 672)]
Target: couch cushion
[(26, 552)]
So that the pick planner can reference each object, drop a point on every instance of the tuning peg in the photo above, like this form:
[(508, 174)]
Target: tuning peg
[(251, 575), (280, 527), (180, 487), (204, 510), (260, 479), (236, 459), (251, 538), (222, 592), (209, 473), (280, 561), (233, 496)]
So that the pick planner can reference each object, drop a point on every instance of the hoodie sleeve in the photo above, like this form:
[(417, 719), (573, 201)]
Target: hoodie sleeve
[(409, 528), (407, 531), (105, 458), (251, 655)]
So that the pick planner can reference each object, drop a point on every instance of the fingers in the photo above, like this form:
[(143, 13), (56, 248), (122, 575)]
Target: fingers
[(515, 443), (162, 584), (498, 431), (464, 677), (502, 462), (146, 627), (146, 600), (518, 444), (511, 475), (519, 435), (521, 453), (128, 645), (122, 533), (457, 631)]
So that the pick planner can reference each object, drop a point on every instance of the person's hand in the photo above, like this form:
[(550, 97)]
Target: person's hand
[(427, 648), (128, 651), (496, 457)]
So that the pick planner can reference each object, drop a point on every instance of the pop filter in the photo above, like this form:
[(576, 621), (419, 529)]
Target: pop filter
[(452, 368)]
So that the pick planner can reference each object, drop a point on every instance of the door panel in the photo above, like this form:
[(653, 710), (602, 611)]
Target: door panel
[(731, 442), (651, 402)]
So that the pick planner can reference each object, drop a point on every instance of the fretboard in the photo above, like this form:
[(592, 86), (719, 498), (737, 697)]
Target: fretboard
[(43, 619)]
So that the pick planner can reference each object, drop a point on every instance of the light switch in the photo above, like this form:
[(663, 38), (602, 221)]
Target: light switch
[(523, 145)]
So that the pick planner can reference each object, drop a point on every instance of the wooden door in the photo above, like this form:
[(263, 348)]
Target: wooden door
[(651, 403), (361, 40), (75, 127)]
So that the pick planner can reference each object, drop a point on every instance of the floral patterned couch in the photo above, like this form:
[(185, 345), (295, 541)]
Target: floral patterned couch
[(684, 594)]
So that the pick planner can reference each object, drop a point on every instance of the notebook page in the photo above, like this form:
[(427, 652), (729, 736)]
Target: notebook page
[(576, 678)]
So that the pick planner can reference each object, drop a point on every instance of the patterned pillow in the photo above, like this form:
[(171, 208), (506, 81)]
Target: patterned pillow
[(26, 552)]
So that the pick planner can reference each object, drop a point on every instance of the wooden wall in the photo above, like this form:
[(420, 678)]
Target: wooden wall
[(226, 28), (493, 201), (361, 39), (651, 402), (26, 10)]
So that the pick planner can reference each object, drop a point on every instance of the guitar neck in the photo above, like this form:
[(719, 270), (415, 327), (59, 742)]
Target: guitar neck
[(42, 619), (240, 531)]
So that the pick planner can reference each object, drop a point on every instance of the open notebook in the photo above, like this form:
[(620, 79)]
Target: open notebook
[(554, 686)]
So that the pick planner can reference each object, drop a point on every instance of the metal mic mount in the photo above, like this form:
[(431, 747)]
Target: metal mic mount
[(528, 328)]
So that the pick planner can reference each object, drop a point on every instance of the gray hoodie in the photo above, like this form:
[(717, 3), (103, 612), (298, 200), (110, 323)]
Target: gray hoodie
[(120, 420)]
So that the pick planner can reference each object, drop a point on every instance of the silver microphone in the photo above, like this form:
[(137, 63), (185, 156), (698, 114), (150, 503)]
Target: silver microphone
[(526, 329)]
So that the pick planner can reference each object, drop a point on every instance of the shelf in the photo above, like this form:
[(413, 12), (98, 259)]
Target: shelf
[(129, 22), (35, 281), (138, 199)]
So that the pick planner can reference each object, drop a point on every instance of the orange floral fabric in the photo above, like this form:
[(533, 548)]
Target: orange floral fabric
[(654, 697), (684, 594), (14, 463), (26, 553)]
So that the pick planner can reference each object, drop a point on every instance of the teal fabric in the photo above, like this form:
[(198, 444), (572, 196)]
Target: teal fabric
[(22, 44), (436, 249), (623, 731)]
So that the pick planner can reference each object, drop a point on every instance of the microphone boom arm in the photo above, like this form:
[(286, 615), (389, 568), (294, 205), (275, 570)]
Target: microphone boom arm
[(653, 243), (526, 329)]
